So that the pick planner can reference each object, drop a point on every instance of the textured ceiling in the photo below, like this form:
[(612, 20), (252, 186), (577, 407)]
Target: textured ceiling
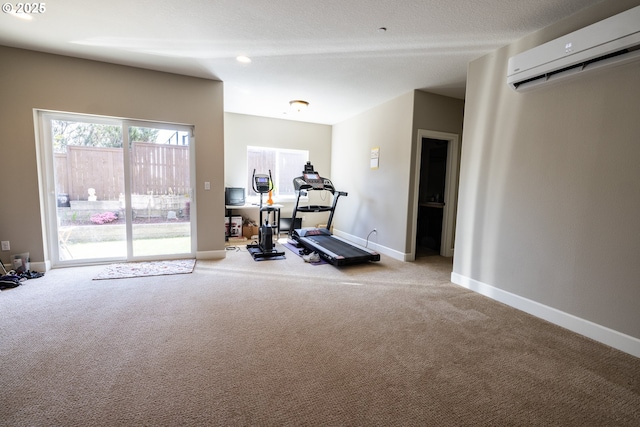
[(328, 52)]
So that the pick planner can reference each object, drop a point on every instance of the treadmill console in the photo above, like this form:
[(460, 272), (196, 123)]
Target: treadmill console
[(300, 184), (314, 180), (327, 184), (311, 179)]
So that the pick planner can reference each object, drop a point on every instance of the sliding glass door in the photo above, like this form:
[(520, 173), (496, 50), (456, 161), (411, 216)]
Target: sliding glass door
[(116, 189), (160, 190)]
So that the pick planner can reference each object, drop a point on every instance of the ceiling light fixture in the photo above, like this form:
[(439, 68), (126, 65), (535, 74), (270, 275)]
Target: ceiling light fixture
[(298, 105), (243, 59)]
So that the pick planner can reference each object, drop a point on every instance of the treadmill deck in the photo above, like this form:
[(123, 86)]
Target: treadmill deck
[(333, 249)]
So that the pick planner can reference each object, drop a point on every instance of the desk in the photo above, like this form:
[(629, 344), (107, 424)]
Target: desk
[(230, 208)]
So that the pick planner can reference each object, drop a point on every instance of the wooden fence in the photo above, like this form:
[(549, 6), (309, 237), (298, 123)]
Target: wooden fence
[(155, 169)]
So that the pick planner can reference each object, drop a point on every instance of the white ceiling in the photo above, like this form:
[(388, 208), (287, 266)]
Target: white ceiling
[(330, 53)]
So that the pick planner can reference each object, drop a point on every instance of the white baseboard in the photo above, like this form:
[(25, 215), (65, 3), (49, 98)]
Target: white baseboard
[(610, 337), (211, 254), (371, 245), (41, 267)]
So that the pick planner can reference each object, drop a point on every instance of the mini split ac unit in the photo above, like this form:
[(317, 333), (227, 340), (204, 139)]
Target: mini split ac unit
[(615, 40)]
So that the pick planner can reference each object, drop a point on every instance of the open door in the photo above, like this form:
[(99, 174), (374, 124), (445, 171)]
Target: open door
[(435, 193), (433, 173)]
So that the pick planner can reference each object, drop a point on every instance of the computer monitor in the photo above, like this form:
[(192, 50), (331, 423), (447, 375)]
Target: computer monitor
[(234, 196)]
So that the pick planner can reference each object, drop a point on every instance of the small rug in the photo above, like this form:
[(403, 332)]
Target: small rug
[(148, 268)]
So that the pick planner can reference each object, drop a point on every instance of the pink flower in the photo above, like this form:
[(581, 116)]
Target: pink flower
[(103, 218)]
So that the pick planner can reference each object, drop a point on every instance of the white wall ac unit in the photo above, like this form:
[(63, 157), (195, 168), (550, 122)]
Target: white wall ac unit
[(615, 40)]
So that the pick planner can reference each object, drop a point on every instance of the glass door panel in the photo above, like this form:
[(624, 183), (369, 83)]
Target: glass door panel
[(159, 165), (88, 172)]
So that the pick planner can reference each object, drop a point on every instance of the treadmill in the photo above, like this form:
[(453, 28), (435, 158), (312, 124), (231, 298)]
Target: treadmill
[(333, 249)]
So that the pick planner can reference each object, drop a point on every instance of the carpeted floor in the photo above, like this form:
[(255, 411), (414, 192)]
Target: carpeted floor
[(285, 343)]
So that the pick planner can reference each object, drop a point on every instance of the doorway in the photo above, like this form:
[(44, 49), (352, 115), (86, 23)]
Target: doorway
[(114, 189), (435, 193), (433, 172)]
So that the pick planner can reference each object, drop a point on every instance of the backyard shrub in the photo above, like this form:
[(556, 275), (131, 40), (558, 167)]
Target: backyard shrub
[(103, 218)]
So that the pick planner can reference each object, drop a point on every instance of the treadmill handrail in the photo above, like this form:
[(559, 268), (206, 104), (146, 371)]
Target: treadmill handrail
[(331, 209)]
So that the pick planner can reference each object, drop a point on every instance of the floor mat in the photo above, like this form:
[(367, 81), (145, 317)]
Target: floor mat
[(147, 268), (258, 255)]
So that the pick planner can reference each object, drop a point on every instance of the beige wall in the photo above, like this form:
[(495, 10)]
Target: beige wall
[(242, 131), (31, 80), (378, 198), (382, 198), (550, 188)]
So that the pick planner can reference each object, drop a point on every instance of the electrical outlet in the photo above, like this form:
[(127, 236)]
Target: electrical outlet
[(6, 246)]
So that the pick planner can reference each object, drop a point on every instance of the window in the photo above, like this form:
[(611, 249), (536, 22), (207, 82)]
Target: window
[(283, 164)]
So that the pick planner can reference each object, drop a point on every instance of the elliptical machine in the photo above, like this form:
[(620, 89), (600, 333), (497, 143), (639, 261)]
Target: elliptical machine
[(265, 248)]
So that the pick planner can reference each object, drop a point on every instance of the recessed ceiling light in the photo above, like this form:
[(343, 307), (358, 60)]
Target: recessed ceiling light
[(243, 59), (382, 29)]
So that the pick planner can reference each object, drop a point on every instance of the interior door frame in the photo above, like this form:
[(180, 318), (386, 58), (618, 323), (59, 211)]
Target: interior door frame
[(450, 189)]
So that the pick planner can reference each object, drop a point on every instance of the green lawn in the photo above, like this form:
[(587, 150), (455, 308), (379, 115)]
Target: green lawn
[(141, 247)]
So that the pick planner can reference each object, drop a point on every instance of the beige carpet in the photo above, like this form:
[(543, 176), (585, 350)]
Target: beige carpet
[(284, 343)]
